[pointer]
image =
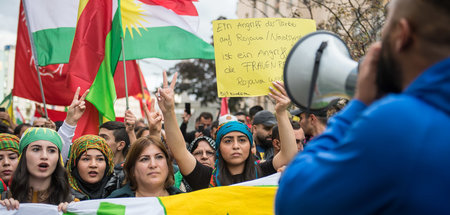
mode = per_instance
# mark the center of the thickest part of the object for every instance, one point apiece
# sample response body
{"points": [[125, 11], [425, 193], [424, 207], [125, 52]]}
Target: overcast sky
{"points": [[208, 10]]}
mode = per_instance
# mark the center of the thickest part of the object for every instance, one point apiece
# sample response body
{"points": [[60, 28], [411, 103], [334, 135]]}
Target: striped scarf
{"points": [[9, 142], [81, 145]]}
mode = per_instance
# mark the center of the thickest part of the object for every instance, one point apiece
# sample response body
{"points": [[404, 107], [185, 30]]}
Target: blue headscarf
{"points": [[233, 126], [222, 131]]}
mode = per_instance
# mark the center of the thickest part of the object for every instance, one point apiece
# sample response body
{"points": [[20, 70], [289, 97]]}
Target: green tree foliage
{"points": [[198, 77]]}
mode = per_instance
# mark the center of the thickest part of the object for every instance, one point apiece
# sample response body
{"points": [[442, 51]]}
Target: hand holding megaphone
{"points": [[366, 89]]}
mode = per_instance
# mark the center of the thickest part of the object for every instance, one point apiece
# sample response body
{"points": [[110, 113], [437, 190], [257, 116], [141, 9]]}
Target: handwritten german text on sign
{"points": [[250, 53]]}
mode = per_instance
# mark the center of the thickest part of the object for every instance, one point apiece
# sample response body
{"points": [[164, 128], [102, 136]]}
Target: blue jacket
{"points": [[392, 157]]}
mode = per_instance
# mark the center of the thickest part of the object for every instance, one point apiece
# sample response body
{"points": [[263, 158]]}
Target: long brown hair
{"points": [[59, 190], [135, 151]]}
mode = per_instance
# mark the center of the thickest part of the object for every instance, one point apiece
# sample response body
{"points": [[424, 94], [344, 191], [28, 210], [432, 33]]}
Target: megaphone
{"points": [[318, 69]]}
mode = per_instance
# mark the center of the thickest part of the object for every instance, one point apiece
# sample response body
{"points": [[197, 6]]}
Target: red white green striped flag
{"points": [[95, 53], [163, 29]]}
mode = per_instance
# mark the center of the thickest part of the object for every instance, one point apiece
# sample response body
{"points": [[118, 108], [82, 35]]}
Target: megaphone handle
{"points": [[315, 73]]}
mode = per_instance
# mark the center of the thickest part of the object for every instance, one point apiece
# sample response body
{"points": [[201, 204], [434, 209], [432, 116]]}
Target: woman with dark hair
{"points": [[148, 170], [18, 131], [9, 156], [40, 176], [234, 140], [91, 167], [142, 132]]}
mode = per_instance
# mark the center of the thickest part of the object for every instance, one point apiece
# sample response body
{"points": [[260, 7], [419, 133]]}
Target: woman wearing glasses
{"points": [[204, 150]]}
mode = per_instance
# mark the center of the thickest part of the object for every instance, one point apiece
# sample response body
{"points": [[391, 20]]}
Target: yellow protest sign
{"points": [[250, 53]]}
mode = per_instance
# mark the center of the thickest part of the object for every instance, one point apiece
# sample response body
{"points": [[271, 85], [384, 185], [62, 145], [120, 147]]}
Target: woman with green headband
{"points": [[9, 154], [40, 176], [90, 168], [234, 162]]}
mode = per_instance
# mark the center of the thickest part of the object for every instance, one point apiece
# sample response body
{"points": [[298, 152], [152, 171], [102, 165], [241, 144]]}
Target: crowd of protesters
{"points": [[40, 163], [358, 158]]}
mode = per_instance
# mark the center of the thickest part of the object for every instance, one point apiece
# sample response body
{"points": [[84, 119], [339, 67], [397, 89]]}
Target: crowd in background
{"points": [[385, 152]]}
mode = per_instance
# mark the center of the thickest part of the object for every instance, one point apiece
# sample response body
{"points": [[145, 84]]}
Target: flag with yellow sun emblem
{"points": [[165, 29]]}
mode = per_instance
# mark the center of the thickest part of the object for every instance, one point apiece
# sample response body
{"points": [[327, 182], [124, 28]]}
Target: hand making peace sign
{"points": [[165, 95], [77, 108]]}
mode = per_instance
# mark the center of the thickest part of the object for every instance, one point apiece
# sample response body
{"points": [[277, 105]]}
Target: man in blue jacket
{"points": [[390, 156]]}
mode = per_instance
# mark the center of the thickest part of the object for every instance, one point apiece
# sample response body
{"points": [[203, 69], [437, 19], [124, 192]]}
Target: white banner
{"points": [[252, 197]]}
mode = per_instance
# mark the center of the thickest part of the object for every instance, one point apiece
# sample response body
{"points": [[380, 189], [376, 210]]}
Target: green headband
{"points": [[34, 134]]}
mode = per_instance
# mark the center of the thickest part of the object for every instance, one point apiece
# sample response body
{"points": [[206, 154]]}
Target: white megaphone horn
{"points": [[318, 69]]}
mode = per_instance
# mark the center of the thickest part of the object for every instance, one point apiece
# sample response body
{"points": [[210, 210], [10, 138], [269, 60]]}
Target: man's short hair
{"points": [[204, 115], [253, 110], [240, 113], [119, 132]]}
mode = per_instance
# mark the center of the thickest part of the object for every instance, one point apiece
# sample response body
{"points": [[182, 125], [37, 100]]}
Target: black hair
{"points": [[59, 190], [251, 171], [240, 113], [140, 131], [119, 132], [19, 127], [204, 115], [255, 109], [295, 125], [58, 124], [275, 133], [4, 128]]}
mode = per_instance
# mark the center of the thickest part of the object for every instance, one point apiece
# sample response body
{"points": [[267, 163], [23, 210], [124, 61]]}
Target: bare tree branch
{"points": [[336, 17], [251, 6], [358, 19]]}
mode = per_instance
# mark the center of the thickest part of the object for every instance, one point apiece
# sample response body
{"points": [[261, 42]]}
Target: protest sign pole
{"points": [[36, 62]]}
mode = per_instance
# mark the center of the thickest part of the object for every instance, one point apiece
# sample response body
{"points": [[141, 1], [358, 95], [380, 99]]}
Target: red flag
{"points": [[54, 115], [144, 96], [89, 122], [224, 107], [26, 84]]}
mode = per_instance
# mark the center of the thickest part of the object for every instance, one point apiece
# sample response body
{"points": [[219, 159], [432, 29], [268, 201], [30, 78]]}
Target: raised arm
{"points": [[185, 160], [287, 137], [154, 119], [74, 113]]}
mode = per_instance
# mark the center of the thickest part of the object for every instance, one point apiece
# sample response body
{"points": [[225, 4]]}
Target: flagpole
{"points": [[125, 75], [36, 62]]}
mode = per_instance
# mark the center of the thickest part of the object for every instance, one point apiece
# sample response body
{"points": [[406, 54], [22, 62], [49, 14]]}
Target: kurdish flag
{"points": [[163, 29], [7, 103], [95, 53]]}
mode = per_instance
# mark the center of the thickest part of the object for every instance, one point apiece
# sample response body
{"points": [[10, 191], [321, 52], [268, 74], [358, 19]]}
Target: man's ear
{"points": [[312, 118], [276, 144], [403, 37], [253, 129], [120, 145]]}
